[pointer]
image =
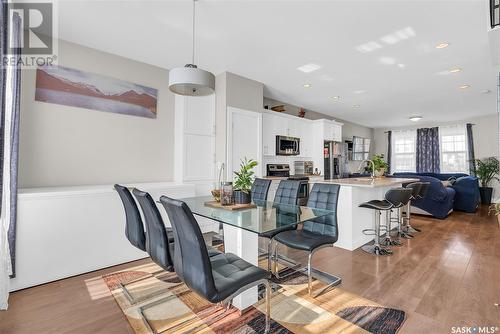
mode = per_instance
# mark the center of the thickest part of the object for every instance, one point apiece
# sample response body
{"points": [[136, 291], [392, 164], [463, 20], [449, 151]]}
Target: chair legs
{"points": [[388, 241], [376, 248], [268, 307], [309, 273], [407, 227], [401, 232], [269, 254]]}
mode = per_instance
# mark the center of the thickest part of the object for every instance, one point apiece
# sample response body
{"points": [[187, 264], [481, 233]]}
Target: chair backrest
{"points": [[260, 189], [424, 189], [287, 192], [134, 229], [324, 196], [191, 260], [157, 244], [415, 189], [398, 197]]}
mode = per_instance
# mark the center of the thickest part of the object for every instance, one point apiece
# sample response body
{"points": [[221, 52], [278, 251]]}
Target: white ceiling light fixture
{"points": [[415, 118], [308, 68], [191, 80], [307, 85], [464, 86], [335, 97], [356, 106], [456, 70], [368, 47]]}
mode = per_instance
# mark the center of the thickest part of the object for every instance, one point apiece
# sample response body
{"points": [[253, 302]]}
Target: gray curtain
{"points": [[428, 150], [470, 147], [389, 150], [12, 144]]}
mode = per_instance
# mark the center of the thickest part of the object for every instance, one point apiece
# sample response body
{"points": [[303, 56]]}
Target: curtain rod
{"points": [[434, 126]]}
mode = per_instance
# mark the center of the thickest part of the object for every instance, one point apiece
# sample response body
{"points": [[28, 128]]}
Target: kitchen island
{"points": [[352, 219]]}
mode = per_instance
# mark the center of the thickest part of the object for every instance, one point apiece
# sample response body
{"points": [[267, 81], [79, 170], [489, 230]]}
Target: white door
{"points": [[244, 138]]}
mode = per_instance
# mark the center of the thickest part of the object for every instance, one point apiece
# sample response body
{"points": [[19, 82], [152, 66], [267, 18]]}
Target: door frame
{"points": [[229, 140]]}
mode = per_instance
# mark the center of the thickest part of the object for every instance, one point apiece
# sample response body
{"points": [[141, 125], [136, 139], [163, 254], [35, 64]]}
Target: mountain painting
{"points": [[70, 87]]}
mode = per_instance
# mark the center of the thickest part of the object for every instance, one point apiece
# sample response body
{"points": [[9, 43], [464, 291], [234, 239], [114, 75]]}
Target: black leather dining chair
{"points": [[134, 228], [287, 193], [217, 279], [135, 233], [316, 233], [159, 248], [260, 189]]}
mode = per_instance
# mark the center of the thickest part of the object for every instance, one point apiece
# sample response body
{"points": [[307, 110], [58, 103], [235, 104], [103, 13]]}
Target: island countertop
{"points": [[366, 181]]}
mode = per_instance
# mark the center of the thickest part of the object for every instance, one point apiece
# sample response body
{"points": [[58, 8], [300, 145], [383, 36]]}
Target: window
{"points": [[403, 156], [360, 148], [453, 147]]}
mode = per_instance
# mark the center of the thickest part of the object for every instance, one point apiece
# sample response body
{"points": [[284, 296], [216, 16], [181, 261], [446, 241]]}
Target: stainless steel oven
{"points": [[287, 145]]}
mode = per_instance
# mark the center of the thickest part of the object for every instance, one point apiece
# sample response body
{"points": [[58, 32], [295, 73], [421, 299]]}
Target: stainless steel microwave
{"points": [[287, 145]]}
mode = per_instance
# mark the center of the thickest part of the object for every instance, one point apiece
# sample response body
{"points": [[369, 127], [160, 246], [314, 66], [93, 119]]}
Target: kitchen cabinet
{"points": [[284, 125], [332, 131]]}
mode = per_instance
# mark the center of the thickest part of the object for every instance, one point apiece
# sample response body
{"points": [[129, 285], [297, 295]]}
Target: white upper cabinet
{"points": [[285, 125], [332, 130]]}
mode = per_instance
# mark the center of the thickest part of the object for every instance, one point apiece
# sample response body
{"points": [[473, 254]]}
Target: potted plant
{"points": [[495, 209], [243, 181], [380, 165], [486, 170]]}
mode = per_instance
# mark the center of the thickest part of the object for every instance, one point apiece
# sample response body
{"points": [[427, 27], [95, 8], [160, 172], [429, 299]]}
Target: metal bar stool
{"points": [[398, 203], [393, 198], [406, 227], [419, 191]]}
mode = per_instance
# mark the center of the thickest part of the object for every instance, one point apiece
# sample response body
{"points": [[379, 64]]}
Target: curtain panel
{"points": [[10, 78], [470, 148], [427, 150], [389, 150]]}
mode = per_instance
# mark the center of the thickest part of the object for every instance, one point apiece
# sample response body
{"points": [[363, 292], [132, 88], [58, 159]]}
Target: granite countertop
{"points": [[367, 182]]}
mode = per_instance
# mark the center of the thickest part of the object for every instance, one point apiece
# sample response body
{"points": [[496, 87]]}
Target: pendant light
{"points": [[191, 80]]}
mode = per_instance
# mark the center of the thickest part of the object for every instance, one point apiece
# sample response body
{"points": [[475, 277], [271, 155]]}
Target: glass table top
{"points": [[266, 217]]}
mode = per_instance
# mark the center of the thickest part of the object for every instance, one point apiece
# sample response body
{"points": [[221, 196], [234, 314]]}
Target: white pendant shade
{"points": [[191, 81]]}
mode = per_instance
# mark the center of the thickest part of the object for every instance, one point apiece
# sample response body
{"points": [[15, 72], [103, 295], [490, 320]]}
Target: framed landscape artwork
{"points": [[75, 88]]}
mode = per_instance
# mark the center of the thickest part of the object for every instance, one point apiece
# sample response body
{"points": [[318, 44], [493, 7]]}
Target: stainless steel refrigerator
{"points": [[332, 157]]}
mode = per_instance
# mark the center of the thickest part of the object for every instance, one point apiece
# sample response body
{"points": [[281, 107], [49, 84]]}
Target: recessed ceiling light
{"points": [[442, 45], [308, 68], [335, 97], [485, 91], [415, 118], [456, 70], [307, 85], [368, 47], [464, 86], [356, 106], [401, 65]]}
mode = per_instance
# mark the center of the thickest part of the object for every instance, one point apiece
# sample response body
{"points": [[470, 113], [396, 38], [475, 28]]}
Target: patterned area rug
{"points": [[160, 303]]}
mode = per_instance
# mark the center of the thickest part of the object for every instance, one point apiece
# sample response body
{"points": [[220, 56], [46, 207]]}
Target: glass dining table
{"points": [[243, 227]]}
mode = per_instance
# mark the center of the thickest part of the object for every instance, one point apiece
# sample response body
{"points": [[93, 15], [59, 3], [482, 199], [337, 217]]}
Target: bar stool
{"points": [[407, 229], [393, 199]]}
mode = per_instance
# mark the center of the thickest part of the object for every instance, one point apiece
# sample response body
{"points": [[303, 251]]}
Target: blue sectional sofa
{"points": [[465, 187]]}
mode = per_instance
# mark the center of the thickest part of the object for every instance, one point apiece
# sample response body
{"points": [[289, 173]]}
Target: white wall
{"points": [[485, 132], [68, 146]]}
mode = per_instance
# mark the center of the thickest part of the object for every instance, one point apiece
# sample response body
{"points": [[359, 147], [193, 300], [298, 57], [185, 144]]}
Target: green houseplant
{"points": [[486, 171], [380, 165], [243, 181], [495, 210]]}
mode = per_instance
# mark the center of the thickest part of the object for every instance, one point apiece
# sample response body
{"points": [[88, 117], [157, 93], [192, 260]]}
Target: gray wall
{"points": [[67, 146]]}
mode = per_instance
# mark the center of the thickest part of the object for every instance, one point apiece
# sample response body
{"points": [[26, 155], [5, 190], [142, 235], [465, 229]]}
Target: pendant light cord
{"points": [[192, 56]]}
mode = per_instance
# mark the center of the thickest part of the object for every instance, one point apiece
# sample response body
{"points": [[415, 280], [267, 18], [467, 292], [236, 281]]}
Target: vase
{"points": [[241, 197], [486, 193], [379, 173]]}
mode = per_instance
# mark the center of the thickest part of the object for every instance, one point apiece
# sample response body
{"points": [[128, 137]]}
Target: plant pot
{"points": [[379, 173], [486, 193], [241, 197]]}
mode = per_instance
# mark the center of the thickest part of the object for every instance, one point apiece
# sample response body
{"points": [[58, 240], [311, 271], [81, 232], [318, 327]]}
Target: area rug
{"points": [[160, 303]]}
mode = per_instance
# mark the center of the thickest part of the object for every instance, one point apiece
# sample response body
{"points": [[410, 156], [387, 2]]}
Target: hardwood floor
{"points": [[448, 275]]}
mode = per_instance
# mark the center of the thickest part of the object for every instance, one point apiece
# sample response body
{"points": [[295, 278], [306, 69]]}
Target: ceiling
{"points": [[379, 55]]}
